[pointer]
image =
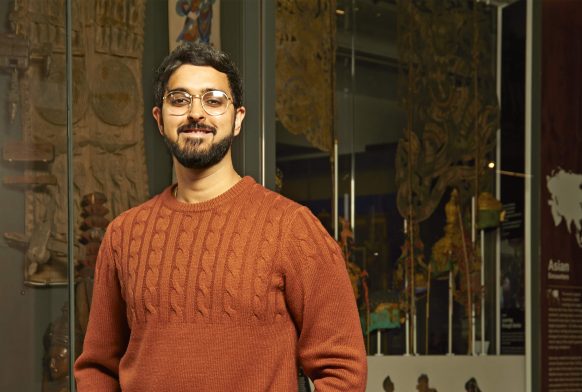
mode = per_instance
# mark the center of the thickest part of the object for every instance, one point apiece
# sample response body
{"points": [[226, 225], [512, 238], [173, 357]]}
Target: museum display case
{"points": [[419, 177], [73, 157], [400, 124]]}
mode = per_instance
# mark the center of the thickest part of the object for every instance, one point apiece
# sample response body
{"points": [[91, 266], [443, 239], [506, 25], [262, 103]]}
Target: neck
{"points": [[198, 185]]}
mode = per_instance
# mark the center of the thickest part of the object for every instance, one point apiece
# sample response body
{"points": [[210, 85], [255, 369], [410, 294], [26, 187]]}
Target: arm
{"points": [[97, 368], [321, 301]]}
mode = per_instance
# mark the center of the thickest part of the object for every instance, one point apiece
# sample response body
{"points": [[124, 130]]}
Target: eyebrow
{"points": [[205, 90]]}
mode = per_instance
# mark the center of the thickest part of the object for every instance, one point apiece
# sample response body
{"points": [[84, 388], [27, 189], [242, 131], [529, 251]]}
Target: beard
{"points": [[189, 154]]}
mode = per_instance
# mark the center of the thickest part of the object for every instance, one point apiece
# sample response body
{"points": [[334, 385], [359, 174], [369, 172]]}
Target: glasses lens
{"points": [[178, 102], [215, 103]]}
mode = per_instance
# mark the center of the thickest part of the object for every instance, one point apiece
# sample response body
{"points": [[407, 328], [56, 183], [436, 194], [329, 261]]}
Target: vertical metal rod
{"points": [[482, 293], [379, 342], [427, 310], [498, 191], [353, 141], [70, 194], [414, 333], [451, 290], [473, 328], [407, 324], [411, 215], [473, 220], [467, 277], [262, 92], [353, 195], [346, 206], [469, 288], [475, 54], [528, 196], [335, 192]]}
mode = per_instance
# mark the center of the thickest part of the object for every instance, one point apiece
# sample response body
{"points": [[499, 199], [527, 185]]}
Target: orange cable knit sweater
{"points": [[231, 294]]}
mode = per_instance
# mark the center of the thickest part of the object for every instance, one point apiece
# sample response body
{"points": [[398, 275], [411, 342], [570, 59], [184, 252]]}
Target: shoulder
{"points": [[136, 213], [304, 225], [271, 199], [295, 217]]}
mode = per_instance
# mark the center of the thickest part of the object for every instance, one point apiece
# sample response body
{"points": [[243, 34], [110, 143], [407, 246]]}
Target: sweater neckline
{"points": [[171, 202]]}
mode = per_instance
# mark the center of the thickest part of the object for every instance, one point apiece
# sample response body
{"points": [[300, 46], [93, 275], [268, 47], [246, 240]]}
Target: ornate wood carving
{"points": [[108, 148], [17, 151], [30, 180], [448, 89], [305, 77]]}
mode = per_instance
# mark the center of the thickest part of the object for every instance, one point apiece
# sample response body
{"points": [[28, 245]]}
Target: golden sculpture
{"points": [[442, 251], [489, 211], [456, 253]]}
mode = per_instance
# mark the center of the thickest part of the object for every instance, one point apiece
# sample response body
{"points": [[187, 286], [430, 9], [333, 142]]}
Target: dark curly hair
{"points": [[201, 55]]}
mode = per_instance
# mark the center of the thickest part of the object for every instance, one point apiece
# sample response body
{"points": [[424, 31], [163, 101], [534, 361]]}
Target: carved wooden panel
{"points": [[305, 64], [108, 147]]}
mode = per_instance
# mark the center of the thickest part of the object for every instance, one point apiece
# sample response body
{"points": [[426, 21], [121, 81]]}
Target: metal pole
{"points": [[451, 290], [529, 375], [407, 323], [482, 293], [70, 194], [352, 149], [379, 342], [498, 191], [262, 92], [335, 191], [469, 288]]}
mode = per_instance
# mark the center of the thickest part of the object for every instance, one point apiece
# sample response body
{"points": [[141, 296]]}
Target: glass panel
{"points": [[512, 182], [369, 122], [452, 110], [106, 152], [423, 117], [34, 224]]}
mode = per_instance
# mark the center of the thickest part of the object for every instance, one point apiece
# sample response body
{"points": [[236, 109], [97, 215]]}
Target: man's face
{"points": [[196, 139]]}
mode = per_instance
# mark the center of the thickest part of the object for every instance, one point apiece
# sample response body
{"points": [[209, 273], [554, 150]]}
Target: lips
{"points": [[197, 128]]}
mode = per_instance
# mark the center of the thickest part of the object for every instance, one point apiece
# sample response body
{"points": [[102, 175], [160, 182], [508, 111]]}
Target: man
{"points": [[217, 284]]}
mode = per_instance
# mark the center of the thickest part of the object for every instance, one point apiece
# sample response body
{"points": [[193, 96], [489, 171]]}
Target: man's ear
{"points": [[157, 113], [239, 116]]}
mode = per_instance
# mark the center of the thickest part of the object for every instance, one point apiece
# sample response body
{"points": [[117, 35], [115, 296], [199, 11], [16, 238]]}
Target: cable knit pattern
{"points": [[154, 260], [116, 238], [208, 262], [267, 248], [230, 294], [133, 266], [233, 267], [180, 267]]}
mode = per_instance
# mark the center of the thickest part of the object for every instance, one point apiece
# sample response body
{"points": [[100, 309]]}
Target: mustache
{"points": [[198, 126]]}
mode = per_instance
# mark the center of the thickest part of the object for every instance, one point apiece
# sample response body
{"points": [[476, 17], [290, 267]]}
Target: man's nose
{"points": [[196, 109]]}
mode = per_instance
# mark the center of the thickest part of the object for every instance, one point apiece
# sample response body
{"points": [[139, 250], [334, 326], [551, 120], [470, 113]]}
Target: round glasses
{"points": [[214, 102]]}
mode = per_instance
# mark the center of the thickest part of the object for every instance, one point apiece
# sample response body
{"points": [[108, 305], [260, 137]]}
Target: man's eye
{"points": [[213, 102], [179, 101]]}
